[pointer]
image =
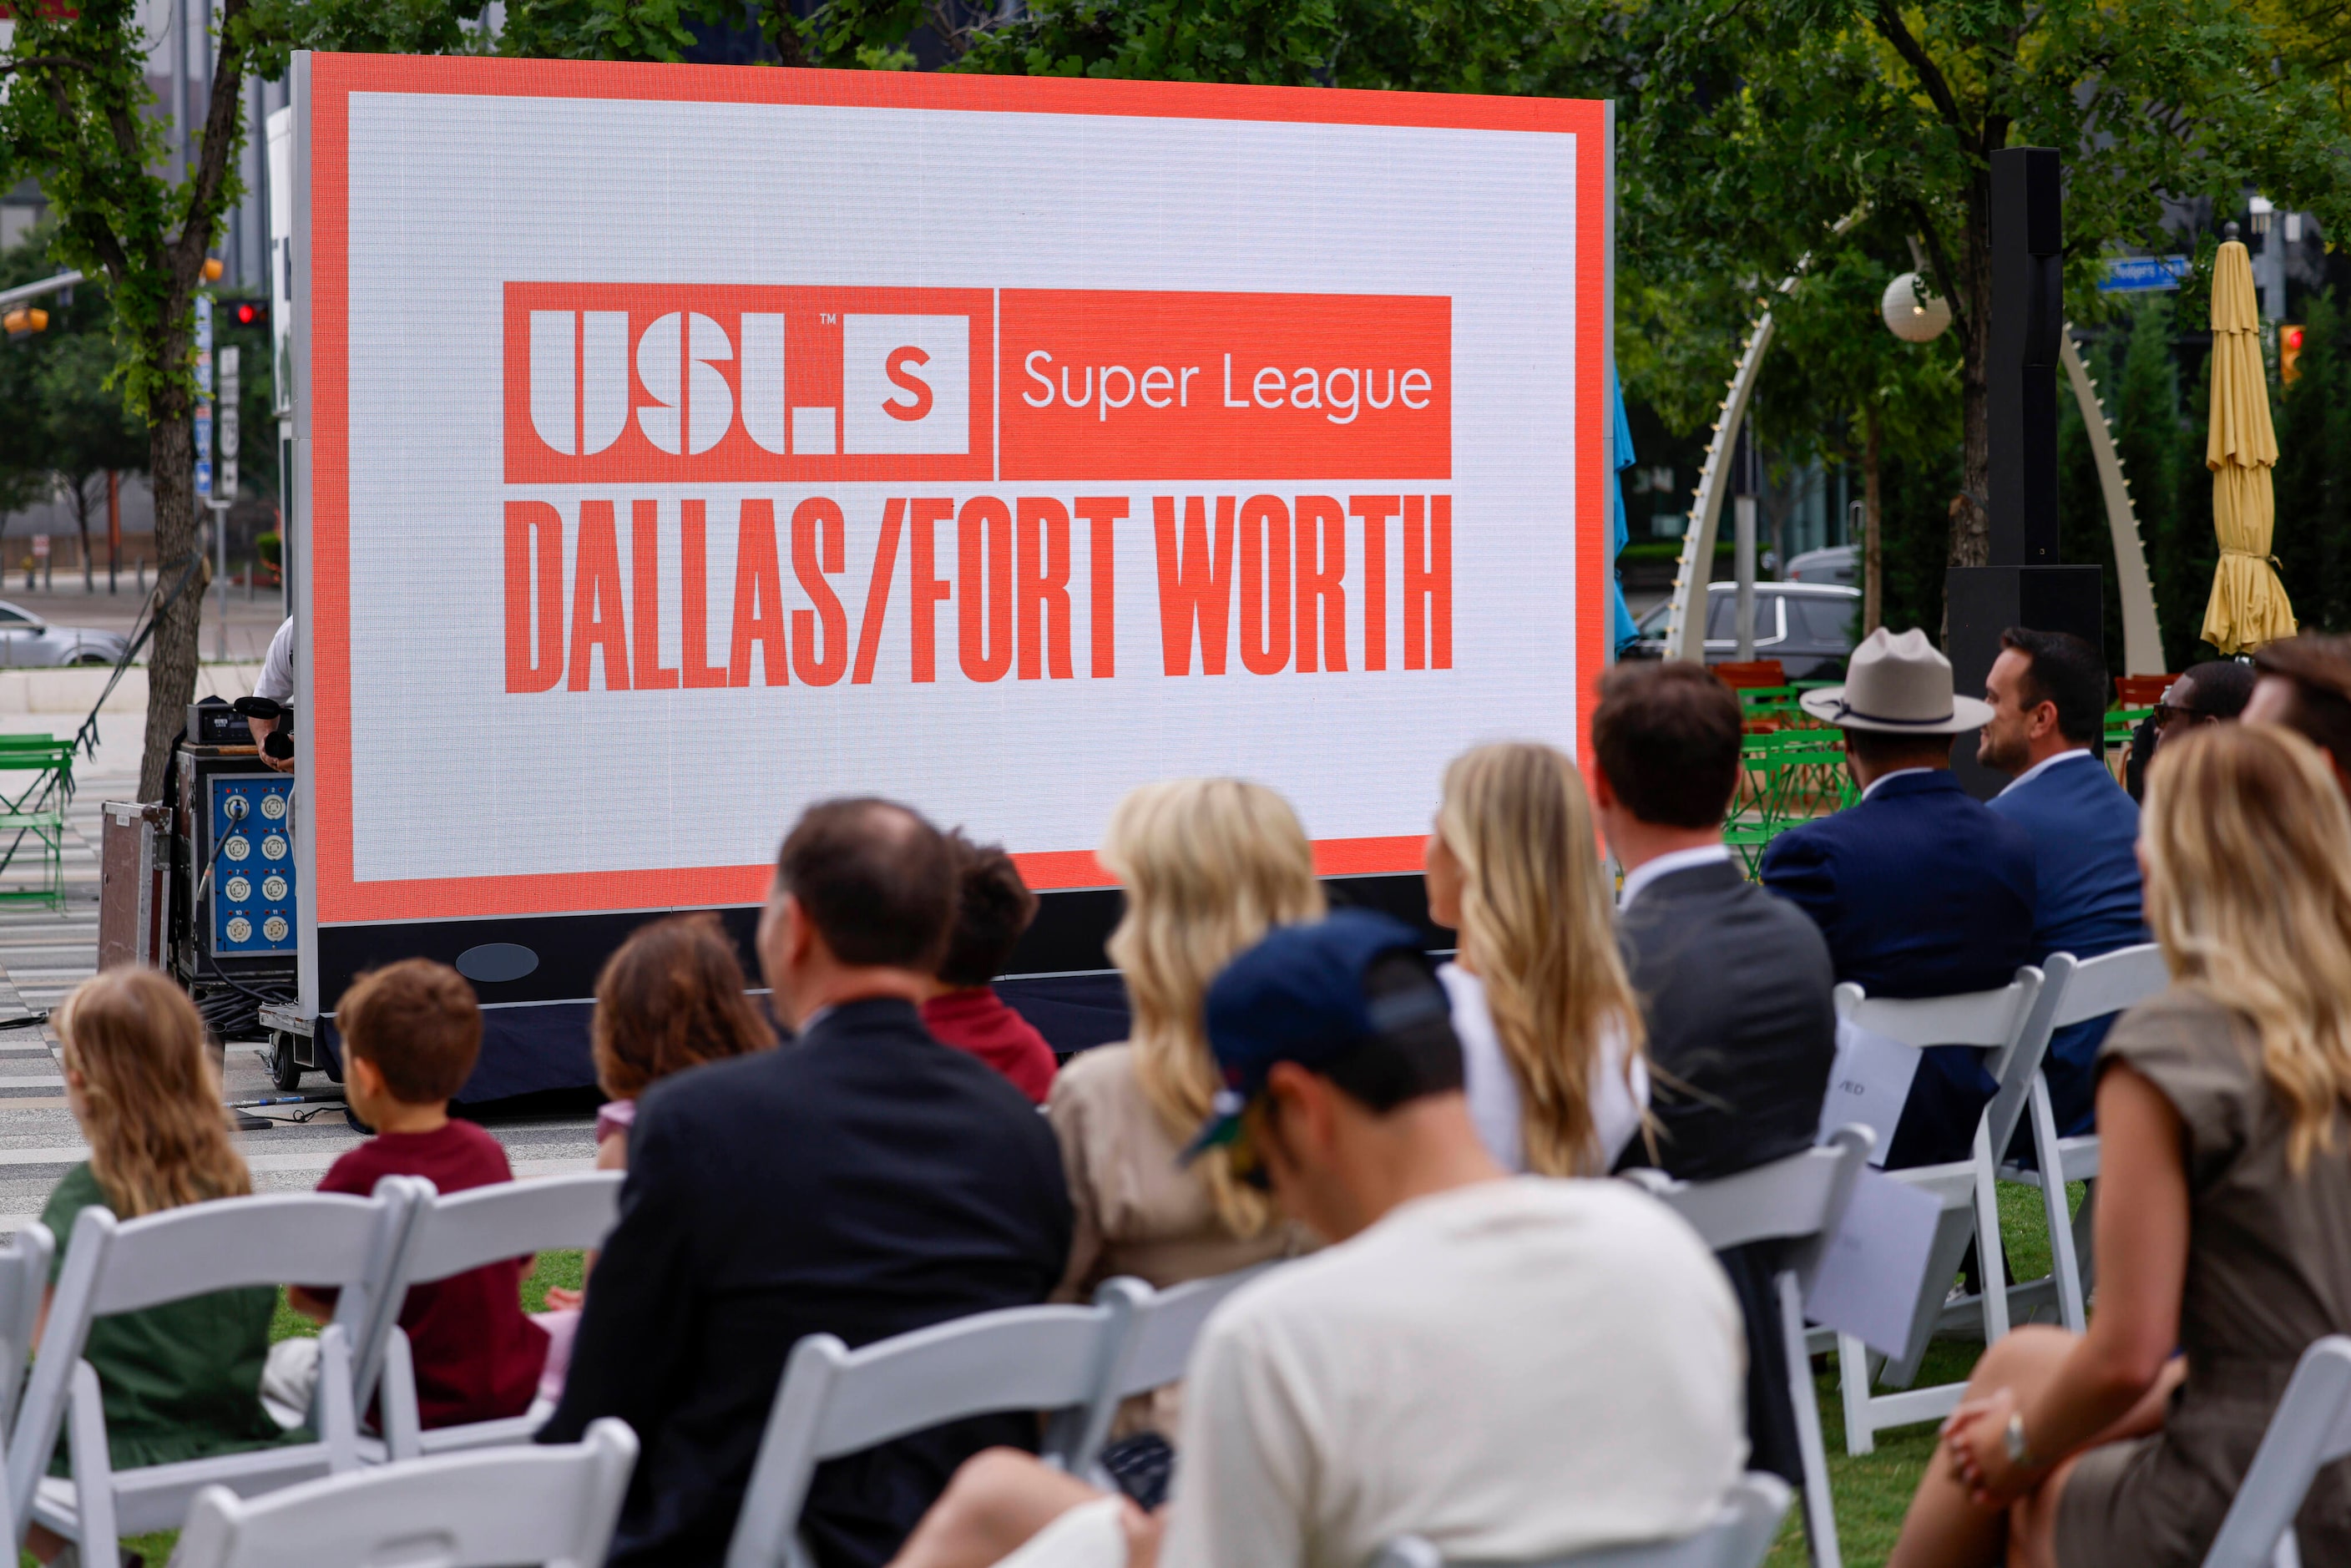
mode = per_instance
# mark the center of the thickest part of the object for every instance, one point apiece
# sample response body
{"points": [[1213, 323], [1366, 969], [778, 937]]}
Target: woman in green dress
{"points": [[181, 1380]]}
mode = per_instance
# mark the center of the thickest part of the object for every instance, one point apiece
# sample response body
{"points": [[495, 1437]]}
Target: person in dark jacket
{"points": [[1919, 890], [1734, 985], [862, 1181], [2047, 733]]}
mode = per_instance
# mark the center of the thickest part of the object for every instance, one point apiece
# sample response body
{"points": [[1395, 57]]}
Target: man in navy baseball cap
{"points": [[1349, 1000]]}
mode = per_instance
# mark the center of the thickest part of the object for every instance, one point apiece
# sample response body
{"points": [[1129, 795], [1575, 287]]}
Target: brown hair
{"points": [[2320, 669], [993, 907], [876, 881], [2248, 846], [416, 1022], [669, 998], [151, 1102], [1666, 735]]}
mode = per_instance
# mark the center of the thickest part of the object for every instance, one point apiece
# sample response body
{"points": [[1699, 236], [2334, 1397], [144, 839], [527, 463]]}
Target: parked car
{"points": [[26, 639], [1838, 564], [1809, 627]]}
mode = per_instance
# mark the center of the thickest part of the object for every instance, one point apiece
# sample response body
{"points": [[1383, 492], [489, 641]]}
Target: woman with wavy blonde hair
{"points": [[181, 1380], [2221, 1111], [1207, 866], [1551, 1033]]}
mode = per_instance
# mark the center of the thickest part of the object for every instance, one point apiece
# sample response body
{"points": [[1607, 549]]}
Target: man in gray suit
{"points": [[1734, 983]]}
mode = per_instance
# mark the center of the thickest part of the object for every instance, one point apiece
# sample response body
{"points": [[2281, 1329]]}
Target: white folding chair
{"points": [[126, 1266], [554, 1505], [834, 1401], [1800, 1200], [1742, 1532], [23, 1279], [463, 1231], [2077, 990], [1997, 1022], [2312, 1428], [1152, 1352]]}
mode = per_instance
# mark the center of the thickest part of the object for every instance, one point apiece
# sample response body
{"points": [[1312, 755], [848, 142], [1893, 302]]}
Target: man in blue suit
{"points": [[2048, 696], [1919, 891]]}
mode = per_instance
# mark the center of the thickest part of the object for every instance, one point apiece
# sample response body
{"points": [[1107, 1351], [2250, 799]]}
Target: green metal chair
{"points": [[34, 808]]}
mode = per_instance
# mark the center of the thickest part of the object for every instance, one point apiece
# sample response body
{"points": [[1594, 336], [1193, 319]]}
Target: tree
{"points": [[74, 116], [1861, 103], [71, 429]]}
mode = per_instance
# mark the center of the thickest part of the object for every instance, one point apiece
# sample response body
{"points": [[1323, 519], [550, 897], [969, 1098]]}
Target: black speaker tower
{"points": [[2025, 585]]}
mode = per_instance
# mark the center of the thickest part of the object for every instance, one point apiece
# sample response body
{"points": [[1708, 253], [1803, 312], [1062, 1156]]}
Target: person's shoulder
{"points": [[724, 1090], [1097, 1074]]}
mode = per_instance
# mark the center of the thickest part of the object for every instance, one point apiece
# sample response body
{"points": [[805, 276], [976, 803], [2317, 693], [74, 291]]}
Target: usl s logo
{"points": [[650, 383]]}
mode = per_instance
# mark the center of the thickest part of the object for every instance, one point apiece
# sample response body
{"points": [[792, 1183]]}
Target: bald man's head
{"points": [[876, 881]]}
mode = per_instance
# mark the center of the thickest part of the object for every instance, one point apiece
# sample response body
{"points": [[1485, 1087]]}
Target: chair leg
{"points": [[2061, 1259], [2085, 1231], [93, 1471], [1820, 1508], [1853, 1381], [1990, 1262]]}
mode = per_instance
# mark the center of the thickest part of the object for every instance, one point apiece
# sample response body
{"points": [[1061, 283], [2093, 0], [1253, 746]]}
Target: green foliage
{"points": [[62, 425], [598, 29], [2313, 479]]}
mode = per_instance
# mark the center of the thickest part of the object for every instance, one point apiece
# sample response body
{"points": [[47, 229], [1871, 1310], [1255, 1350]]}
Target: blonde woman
{"points": [[1207, 865], [2221, 1120], [181, 1380], [1550, 1034]]}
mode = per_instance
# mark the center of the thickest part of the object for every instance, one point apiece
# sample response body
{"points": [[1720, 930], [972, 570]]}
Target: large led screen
{"points": [[686, 444]]}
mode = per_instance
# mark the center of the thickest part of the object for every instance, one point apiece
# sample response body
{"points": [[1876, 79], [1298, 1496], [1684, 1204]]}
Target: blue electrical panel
{"points": [[252, 820]]}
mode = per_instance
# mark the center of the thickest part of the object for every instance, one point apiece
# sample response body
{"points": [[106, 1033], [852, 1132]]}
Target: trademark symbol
{"points": [[829, 318]]}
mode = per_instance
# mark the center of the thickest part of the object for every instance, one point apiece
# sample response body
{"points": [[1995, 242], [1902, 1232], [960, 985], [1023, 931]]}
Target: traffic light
{"points": [[250, 313], [2289, 352], [25, 319]]}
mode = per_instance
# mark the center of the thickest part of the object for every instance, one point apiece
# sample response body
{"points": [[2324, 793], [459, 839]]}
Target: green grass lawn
{"points": [[1872, 1492]]}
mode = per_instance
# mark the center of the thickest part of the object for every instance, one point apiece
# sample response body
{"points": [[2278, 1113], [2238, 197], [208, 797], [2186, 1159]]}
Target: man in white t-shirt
{"points": [[276, 683], [1509, 1368]]}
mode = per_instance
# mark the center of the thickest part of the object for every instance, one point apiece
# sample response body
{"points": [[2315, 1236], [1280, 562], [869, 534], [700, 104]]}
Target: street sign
{"points": [[204, 434], [230, 385], [2143, 274], [40, 546]]}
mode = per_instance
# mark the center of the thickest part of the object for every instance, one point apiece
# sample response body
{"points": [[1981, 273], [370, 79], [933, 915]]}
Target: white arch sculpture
{"points": [[1685, 635]]}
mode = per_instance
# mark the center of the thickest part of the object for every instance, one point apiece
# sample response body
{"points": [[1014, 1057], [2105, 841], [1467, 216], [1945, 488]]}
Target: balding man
{"points": [[2305, 684], [864, 1181]]}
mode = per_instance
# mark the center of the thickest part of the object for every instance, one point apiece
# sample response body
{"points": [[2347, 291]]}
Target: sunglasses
{"points": [[2167, 715], [1244, 1161]]}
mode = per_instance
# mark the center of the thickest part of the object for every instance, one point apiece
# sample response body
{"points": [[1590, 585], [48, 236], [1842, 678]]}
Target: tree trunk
{"points": [[1873, 570], [172, 656]]}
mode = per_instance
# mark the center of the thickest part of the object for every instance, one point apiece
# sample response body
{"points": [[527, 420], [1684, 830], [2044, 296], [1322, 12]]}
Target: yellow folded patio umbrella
{"points": [[2248, 604]]}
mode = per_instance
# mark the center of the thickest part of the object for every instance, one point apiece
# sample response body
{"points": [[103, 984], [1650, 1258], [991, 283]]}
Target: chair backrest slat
{"points": [[1799, 1197], [484, 1225], [310, 1238], [1022, 1358], [1165, 1325], [834, 1401], [2111, 982], [1983, 1019], [554, 1505]]}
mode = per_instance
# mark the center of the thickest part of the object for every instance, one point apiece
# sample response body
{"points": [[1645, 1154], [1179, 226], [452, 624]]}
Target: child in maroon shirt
{"points": [[993, 907], [411, 1032]]}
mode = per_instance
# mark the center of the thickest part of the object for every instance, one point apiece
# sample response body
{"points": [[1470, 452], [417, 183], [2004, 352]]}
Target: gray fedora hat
{"points": [[1897, 686]]}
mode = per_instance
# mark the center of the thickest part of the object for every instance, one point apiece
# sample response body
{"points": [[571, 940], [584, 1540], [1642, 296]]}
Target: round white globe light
{"points": [[1910, 315]]}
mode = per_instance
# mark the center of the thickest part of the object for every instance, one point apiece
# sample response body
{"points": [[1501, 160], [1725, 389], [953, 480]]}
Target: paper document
{"points": [[1868, 1282], [1868, 1083]]}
